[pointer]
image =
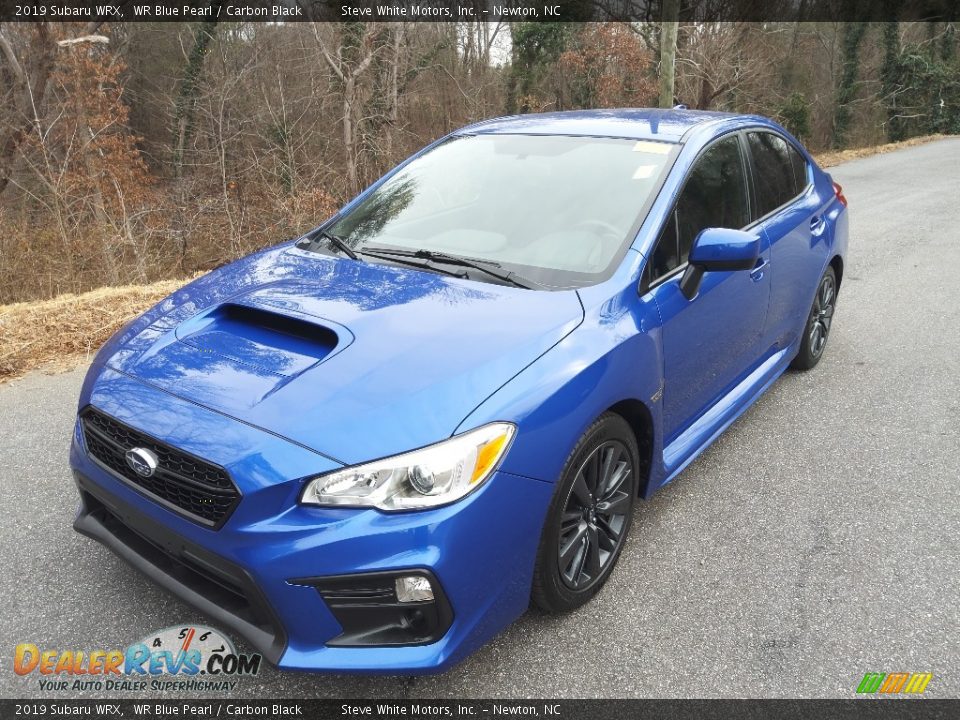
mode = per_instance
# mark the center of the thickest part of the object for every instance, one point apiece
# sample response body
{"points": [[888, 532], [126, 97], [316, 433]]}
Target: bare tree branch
{"points": [[11, 58]]}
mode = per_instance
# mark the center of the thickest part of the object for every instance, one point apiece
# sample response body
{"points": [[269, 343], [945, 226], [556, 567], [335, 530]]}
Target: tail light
{"points": [[838, 191]]}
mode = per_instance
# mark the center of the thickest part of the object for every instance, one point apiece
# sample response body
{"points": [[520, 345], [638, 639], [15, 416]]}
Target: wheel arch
{"points": [[836, 262], [640, 420]]}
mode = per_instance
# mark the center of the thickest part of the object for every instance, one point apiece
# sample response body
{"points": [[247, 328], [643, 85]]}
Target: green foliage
{"points": [[929, 97], [351, 42], [794, 115], [890, 81], [280, 138], [920, 83], [948, 43], [189, 89], [536, 47], [852, 36]]}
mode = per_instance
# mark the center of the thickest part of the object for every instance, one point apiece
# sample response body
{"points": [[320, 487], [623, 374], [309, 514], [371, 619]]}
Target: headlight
{"points": [[431, 476]]}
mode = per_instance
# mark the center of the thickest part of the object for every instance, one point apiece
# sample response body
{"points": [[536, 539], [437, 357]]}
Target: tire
{"points": [[591, 526], [816, 331]]}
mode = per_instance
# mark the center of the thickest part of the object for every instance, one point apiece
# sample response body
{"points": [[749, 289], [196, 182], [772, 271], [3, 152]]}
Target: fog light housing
{"points": [[414, 588], [385, 608]]}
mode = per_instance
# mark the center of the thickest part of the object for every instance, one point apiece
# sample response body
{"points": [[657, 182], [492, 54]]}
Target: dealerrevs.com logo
{"points": [[179, 658]]}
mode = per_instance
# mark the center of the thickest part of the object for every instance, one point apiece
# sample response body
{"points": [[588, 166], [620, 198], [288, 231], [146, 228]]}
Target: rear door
{"points": [[786, 209], [711, 341]]}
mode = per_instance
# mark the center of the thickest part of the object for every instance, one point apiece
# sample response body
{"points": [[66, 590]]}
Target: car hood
{"points": [[352, 360]]}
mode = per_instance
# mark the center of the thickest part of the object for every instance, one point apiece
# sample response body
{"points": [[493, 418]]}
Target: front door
{"points": [[712, 341]]}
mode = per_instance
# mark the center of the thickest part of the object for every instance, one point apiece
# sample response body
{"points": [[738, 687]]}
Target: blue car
{"points": [[371, 448]]}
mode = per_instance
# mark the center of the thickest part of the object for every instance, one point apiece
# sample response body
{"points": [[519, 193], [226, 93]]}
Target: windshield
{"points": [[557, 211]]}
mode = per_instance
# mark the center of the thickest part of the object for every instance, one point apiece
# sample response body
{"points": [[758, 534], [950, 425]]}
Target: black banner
{"points": [[853, 709], [472, 10]]}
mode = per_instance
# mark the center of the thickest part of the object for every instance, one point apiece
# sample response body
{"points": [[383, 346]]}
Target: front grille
{"points": [[216, 586], [197, 489]]}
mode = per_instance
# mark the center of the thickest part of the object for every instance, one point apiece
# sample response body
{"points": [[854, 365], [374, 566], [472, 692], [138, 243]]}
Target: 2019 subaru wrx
{"points": [[369, 448]]}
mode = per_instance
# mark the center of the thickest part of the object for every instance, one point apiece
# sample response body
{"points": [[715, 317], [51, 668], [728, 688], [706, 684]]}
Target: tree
{"points": [[668, 51], [929, 101], [852, 35], [608, 66], [28, 88], [84, 165], [395, 67], [890, 86], [349, 61], [724, 65], [794, 113], [189, 88], [536, 48]]}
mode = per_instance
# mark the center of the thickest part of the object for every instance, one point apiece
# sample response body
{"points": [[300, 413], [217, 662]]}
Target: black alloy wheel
{"points": [[589, 517], [594, 516], [822, 315], [817, 330]]}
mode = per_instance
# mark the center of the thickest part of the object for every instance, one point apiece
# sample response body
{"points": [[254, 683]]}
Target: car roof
{"points": [[633, 123]]}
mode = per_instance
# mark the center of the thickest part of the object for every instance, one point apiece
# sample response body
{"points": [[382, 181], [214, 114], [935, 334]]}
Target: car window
{"points": [[714, 196], [799, 164], [780, 172], [557, 210]]}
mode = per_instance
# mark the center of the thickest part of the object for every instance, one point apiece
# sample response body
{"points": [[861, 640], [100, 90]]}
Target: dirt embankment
{"points": [[60, 333], [835, 157]]}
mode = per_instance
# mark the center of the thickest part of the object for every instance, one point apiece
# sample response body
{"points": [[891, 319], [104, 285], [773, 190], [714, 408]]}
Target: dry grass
{"points": [[835, 157], [61, 333]]}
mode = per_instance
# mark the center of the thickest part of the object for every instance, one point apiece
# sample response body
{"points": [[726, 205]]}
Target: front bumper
{"points": [[480, 550]]}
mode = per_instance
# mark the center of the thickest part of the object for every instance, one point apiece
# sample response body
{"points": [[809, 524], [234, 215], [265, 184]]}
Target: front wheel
{"points": [[817, 329], [589, 516]]}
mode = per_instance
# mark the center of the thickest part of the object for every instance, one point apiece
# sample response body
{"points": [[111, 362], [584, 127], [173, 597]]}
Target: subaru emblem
{"points": [[142, 461]]}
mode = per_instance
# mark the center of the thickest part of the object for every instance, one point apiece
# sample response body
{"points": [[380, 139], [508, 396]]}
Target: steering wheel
{"points": [[439, 196], [603, 226], [602, 230]]}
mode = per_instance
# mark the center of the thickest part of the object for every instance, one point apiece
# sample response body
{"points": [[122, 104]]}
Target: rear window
{"points": [[780, 172]]}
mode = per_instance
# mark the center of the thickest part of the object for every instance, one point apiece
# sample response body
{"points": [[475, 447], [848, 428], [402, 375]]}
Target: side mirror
{"points": [[718, 250]]}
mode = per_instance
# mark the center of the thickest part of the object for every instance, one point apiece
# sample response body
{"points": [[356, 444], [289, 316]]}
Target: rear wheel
{"points": [[817, 329], [589, 516]]}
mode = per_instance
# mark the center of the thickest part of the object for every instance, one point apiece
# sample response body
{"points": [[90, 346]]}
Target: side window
{"points": [[714, 196], [780, 172], [799, 164], [665, 255]]}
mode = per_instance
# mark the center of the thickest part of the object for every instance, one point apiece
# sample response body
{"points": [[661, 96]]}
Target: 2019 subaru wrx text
{"points": [[368, 449]]}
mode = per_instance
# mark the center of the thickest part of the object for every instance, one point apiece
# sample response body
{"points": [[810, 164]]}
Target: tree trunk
{"points": [[355, 55], [889, 80], [393, 101], [189, 89], [349, 136], [30, 92], [852, 35], [668, 51]]}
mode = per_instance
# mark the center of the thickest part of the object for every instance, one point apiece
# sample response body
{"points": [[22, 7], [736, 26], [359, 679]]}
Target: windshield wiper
{"points": [[339, 243], [484, 266], [410, 260]]}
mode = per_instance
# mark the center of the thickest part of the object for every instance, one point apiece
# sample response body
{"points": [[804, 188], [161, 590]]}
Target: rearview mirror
{"points": [[718, 250]]}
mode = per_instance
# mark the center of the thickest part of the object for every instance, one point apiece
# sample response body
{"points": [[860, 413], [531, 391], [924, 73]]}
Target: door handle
{"points": [[757, 272], [817, 224]]}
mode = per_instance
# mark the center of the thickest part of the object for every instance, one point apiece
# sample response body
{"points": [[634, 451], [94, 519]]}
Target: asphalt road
{"points": [[817, 540]]}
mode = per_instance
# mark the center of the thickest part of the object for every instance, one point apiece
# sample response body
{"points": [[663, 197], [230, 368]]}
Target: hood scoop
{"points": [[234, 355], [353, 360], [280, 344]]}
